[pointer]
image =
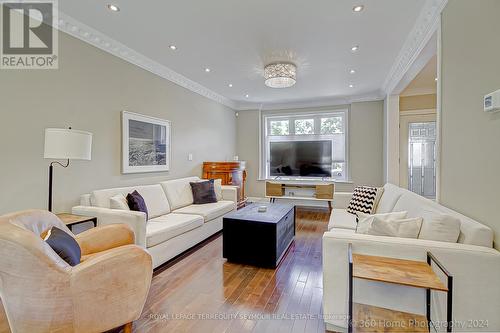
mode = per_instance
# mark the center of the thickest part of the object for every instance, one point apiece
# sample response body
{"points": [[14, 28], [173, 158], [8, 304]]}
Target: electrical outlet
{"points": [[190, 157]]}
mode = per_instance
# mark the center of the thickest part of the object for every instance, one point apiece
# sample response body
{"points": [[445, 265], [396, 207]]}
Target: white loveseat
{"points": [[472, 261], [175, 224]]}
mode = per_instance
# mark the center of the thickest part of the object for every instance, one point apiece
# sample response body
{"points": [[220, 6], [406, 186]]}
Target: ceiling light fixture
{"points": [[230, 85], [280, 75], [173, 47], [113, 8], [355, 48], [351, 86], [352, 71], [436, 79], [207, 70], [358, 8], [247, 95]]}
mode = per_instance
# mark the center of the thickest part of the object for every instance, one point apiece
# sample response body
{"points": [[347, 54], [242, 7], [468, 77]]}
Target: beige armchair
{"points": [[42, 293]]}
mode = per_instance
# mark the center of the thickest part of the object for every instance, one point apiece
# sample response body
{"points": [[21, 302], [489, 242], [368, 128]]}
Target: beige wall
{"points": [[365, 143], [88, 92], [470, 162], [417, 102]]}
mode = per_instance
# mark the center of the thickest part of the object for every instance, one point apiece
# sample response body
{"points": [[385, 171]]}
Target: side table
{"points": [[70, 219], [411, 273]]}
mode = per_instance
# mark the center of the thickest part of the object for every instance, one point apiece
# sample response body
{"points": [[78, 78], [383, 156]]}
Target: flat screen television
{"points": [[301, 159]]}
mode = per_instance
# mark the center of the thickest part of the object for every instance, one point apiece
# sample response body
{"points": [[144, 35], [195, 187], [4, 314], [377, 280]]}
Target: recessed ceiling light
{"points": [[230, 85], [358, 8], [355, 48], [435, 79], [351, 86], [113, 8], [207, 70], [247, 95], [173, 47], [352, 71]]}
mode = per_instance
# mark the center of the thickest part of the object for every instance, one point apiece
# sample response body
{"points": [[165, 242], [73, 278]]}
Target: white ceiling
{"points": [[235, 39]]}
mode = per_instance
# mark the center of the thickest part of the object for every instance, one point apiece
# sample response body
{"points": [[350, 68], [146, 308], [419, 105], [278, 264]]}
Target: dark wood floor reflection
{"points": [[204, 293]]}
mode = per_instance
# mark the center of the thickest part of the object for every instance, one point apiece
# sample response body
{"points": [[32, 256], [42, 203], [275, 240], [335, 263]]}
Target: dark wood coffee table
{"points": [[259, 239]]}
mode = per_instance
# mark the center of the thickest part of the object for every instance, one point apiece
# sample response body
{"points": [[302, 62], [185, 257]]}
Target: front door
{"points": [[418, 154]]}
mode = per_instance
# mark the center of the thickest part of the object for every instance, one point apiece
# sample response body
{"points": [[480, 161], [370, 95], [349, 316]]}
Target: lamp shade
{"points": [[62, 144]]}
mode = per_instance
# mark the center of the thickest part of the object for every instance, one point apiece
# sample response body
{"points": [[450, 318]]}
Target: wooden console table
{"points": [[320, 191], [417, 274], [231, 173]]}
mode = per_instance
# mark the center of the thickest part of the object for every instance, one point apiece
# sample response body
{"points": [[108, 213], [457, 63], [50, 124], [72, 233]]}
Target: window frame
{"points": [[266, 118]]}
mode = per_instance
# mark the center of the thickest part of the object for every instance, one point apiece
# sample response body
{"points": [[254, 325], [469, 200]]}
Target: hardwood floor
{"points": [[204, 293]]}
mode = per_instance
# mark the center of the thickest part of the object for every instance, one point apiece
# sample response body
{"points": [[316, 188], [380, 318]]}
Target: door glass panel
{"points": [[422, 158]]}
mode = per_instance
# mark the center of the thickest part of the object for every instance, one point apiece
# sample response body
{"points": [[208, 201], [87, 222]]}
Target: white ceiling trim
{"points": [[424, 28], [312, 103], [96, 38]]}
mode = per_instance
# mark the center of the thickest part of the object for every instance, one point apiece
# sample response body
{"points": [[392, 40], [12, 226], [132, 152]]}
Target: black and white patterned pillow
{"points": [[363, 200]]}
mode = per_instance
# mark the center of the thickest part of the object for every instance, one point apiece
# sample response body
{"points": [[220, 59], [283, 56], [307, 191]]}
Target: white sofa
{"points": [[175, 224], [472, 261]]}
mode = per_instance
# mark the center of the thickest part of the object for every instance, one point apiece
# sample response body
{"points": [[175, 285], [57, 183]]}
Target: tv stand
{"points": [[319, 190]]}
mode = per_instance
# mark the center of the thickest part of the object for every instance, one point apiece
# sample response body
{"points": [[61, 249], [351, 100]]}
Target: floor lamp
{"points": [[65, 144]]}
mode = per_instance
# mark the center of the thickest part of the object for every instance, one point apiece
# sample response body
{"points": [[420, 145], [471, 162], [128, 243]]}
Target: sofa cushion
{"points": [[155, 199], [341, 219], [153, 195], [442, 228], [165, 227], [208, 211], [118, 202], [471, 231], [388, 199], [179, 192], [366, 220]]}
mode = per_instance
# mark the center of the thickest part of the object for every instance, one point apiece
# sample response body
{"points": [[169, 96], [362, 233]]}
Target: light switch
{"points": [[190, 157]]}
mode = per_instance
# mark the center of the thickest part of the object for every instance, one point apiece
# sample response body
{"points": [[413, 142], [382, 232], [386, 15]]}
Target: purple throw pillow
{"points": [[203, 192], [136, 202]]}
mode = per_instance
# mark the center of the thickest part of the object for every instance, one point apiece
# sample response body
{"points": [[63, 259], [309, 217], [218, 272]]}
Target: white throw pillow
{"points": [[118, 202], [441, 227], [404, 228], [218, 189], [365, 220]]}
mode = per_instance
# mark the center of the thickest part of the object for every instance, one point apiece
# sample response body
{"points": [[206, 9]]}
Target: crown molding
{"points": [[311, 103], [96, 38], [425, 26]]}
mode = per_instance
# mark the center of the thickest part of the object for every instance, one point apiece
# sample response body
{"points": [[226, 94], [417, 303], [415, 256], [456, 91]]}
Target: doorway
{"points": [[418, 154]]}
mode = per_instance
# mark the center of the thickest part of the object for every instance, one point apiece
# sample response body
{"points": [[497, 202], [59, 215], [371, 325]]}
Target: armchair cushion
{"points": [[64, 245]]}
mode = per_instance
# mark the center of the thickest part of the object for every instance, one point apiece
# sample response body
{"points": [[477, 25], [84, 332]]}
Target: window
{"points": [[279, 127], [305, 145], [304, 126]]}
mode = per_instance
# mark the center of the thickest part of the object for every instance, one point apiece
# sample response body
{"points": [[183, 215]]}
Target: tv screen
{"points": [[301, 159]]}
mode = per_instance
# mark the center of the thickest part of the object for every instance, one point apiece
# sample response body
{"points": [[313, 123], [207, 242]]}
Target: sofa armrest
{"points": [[472, 268], [230, 193], [105, 237], [105, 216], [110, 289]]}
